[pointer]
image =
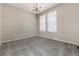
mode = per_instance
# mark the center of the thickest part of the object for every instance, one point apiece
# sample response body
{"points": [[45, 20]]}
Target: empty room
{"points": [[39, 29]]}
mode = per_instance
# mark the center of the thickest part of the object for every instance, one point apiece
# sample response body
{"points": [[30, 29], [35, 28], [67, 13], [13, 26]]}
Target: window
{"points": [[42, 23], [48, 22], [51, 22]]}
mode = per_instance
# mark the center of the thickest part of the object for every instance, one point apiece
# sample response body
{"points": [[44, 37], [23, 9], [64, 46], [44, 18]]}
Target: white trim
{"points": [[17, 39], [60, 40], [40, 36]]}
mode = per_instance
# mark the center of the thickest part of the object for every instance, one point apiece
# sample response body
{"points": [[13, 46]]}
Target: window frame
{"points": [[40, 23], [46, 27], [47, 21]]}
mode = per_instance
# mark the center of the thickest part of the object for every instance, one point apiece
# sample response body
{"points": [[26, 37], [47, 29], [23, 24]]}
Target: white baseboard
{"points": [[40, 36], [61, 40], [18, 39]]}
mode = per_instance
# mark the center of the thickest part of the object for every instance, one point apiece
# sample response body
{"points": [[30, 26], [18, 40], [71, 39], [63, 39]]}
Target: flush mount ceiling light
{"points": [[36, 9]]}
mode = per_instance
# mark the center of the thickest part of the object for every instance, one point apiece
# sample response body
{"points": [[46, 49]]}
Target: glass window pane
{"points": [[42, 23], [52, 21]]}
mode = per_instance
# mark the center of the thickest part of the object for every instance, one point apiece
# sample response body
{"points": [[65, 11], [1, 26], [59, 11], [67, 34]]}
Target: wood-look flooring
{"points": [[38, 46]]}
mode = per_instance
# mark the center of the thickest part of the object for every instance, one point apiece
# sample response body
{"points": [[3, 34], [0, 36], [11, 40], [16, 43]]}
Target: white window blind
{"points": [[52, 22], [42, 23]]}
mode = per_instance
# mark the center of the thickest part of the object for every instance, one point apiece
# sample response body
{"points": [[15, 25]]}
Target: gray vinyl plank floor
{"points": [[38, 46]]}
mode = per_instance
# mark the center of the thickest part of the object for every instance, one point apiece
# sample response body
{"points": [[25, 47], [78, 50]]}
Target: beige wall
{"points": [[67, 24], [17, 24], [0, 24]]}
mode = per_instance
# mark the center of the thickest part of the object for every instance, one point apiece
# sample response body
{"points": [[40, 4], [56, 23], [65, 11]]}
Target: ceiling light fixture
{"points": [[36, 9]]}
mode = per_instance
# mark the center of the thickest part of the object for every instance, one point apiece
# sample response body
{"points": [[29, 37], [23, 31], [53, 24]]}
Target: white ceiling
{"points": [[28, 6]]}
